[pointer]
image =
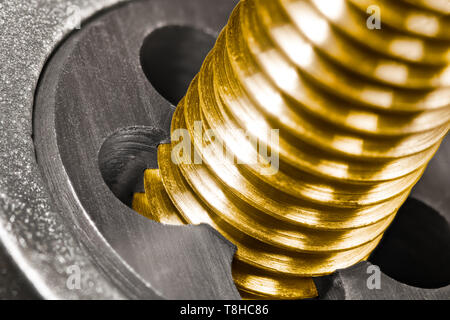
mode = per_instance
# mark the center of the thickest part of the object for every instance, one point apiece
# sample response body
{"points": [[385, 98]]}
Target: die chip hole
{"points": [[415, 250], [171, 56], [124, 156]]}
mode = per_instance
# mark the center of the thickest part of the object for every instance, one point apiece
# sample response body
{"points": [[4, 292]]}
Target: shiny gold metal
{"points": [[360, 113]]}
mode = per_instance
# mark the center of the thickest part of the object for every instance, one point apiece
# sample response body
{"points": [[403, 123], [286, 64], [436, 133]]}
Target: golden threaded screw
{"points": [[360, 112]]}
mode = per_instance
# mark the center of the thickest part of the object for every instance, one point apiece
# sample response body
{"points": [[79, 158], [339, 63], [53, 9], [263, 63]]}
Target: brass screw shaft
{"points": [[360, 113]]}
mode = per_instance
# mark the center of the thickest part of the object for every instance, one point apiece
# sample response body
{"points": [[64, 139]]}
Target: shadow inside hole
{"points": [[415, 250], [171, 57], [125, 155]]}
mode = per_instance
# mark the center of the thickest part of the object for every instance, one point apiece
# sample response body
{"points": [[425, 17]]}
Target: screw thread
{"points": [[360, 113]]}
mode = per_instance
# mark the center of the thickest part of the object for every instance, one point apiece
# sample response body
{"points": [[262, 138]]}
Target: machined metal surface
{"points": [[93, 88], [61, 213], [45, 238], [35, 236]]}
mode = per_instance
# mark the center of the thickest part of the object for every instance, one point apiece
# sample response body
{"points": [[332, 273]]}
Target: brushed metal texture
{"points": [[34, 235], [44, 238], [94, 86]]}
